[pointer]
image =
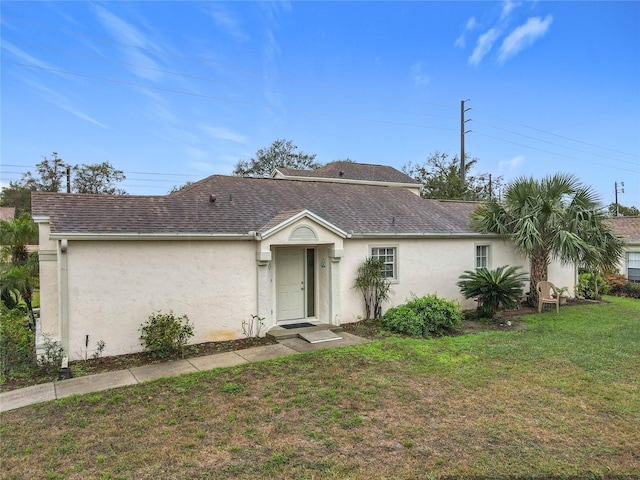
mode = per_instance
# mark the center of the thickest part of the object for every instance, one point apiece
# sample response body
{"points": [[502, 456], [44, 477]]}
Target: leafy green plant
{"points": [[50, 361], [17, 342], [423, 316], [165, 335], [502, 286], [591, 286], [100, 346], [373, 285], [248, 326]]}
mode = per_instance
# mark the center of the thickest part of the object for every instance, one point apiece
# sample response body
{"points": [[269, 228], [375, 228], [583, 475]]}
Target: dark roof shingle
{"points": [[353, 171], [250, 204], [627, 227]]}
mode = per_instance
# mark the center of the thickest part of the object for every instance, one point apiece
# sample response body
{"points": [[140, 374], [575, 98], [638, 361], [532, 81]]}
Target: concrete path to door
{"points": [[104, 381]]}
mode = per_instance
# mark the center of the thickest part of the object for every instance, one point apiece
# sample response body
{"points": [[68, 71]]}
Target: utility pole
{"points": [[462, 132], [621, 191], [68, 179]]}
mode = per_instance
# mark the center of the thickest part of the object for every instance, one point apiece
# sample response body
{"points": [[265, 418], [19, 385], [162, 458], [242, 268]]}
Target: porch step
{"points": [[279, 333], [320, 336]]}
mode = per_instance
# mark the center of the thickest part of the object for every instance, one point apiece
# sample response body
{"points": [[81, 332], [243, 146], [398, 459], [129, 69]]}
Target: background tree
{"points": [[623, 211], [18, 267], [50, 176], [553, 218], [18, 196], [97, 178], [281, 153], [440, 178]]}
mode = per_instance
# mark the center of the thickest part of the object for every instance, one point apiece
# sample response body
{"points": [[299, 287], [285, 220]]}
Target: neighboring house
{"points": [[226, 248], [629, 229], [7, 213]]}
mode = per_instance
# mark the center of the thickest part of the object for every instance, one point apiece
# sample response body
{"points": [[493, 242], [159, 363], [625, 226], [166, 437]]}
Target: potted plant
{"points": [[563, 294]]}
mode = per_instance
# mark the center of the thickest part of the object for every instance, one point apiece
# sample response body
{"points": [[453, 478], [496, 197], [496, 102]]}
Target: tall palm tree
{"points": [[556, 218]]}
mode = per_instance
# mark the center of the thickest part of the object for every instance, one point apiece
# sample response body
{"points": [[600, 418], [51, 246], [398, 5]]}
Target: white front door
{"points": [[290, 284]]}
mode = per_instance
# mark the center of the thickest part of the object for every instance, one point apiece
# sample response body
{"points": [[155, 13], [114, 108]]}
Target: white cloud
{"points": [[61, 101], [24, 56], [222, 133], [461, 41], [227, 21], [508, 6], [202, 166], [524, 36], [512, 164], [419, 77], [483, 46], [129, 35]]}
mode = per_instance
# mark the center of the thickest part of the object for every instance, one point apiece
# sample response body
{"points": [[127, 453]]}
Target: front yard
{"points": [[559, 398]]}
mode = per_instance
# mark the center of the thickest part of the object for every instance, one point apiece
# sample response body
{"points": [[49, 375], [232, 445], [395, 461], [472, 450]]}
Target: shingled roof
{"points": [[345, 171], [236, 205], [627, 227]]}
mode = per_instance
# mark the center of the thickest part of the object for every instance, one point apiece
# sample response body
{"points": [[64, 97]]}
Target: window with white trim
{"points": [[389, 255], [633, 266], [482, 256]]}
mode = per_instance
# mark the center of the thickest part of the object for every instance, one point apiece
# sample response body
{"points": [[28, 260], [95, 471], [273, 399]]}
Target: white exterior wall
{"points": [[113, 287], [49, 286], [427, 266]]}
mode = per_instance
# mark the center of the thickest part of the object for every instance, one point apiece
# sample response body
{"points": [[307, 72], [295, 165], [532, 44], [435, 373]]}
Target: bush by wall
{"points": [[621, 287], [165, 335], [591, 286], [423, 316], [17, 345]]}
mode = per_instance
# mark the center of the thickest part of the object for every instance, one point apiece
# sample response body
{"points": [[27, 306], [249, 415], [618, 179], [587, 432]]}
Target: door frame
{"points": [[306, 251]]}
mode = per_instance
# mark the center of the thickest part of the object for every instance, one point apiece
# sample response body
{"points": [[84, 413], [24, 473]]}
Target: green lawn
{"points": [[558, 399]]}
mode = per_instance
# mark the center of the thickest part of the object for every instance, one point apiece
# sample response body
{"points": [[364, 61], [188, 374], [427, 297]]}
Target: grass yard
{"points": [[559, 399]]}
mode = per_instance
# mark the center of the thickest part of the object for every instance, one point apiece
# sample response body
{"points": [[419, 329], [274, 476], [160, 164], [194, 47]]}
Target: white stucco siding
{"points": [[428, 266], [115, 286]]}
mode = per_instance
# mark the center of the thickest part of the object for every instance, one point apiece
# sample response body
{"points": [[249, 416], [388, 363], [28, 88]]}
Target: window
{"points": [[633, 267], [482, 256], [388, 256]]}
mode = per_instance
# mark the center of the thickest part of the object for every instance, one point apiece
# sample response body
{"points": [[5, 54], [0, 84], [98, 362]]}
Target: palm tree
{"points": [[18, 267], [556, 218], [15, 235]]}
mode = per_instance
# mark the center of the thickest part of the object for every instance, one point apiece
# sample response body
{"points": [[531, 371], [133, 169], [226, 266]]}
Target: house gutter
{"points": [[152, 236], [422, 235]]}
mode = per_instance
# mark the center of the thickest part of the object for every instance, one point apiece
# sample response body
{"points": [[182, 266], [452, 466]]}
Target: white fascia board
{"points": [[152, 236], [305, 214], [41, 218], [424, 235]]}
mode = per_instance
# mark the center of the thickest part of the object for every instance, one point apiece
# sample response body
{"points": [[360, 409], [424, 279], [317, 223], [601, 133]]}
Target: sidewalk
{"points": [[105, 381]]}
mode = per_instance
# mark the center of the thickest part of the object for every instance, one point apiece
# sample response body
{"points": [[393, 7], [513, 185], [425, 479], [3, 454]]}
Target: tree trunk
{"points": [[539, 263]]}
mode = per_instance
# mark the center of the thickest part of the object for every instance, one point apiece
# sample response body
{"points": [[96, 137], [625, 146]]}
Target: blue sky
{"points": [[186, 89]]}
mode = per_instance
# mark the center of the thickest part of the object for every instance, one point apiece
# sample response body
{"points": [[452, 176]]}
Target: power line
{"points": [[220, 65], [211, 97], [221, 82], [554, 153], [556, 144], [560, 136]]}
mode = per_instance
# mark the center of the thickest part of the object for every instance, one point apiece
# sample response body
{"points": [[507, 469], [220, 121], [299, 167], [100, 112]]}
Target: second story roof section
{"points": [[351, 172]]}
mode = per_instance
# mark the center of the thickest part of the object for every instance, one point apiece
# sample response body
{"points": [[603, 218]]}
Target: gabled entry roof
{"points": [[237, 205]]}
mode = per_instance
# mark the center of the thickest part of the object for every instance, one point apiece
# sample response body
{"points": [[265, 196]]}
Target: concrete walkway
{"points": [[105, 381]]}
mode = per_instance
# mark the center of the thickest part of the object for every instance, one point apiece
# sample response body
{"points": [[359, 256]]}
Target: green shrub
{"points": [[166, 335], [621, 287], [50, 362], [17, 345], [423, 316], [631, 290], [591, 286], [502, 286]]}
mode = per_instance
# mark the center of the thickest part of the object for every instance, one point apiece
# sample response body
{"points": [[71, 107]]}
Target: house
{"points": [[225, 248], [7, 213], [629, 229]]}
